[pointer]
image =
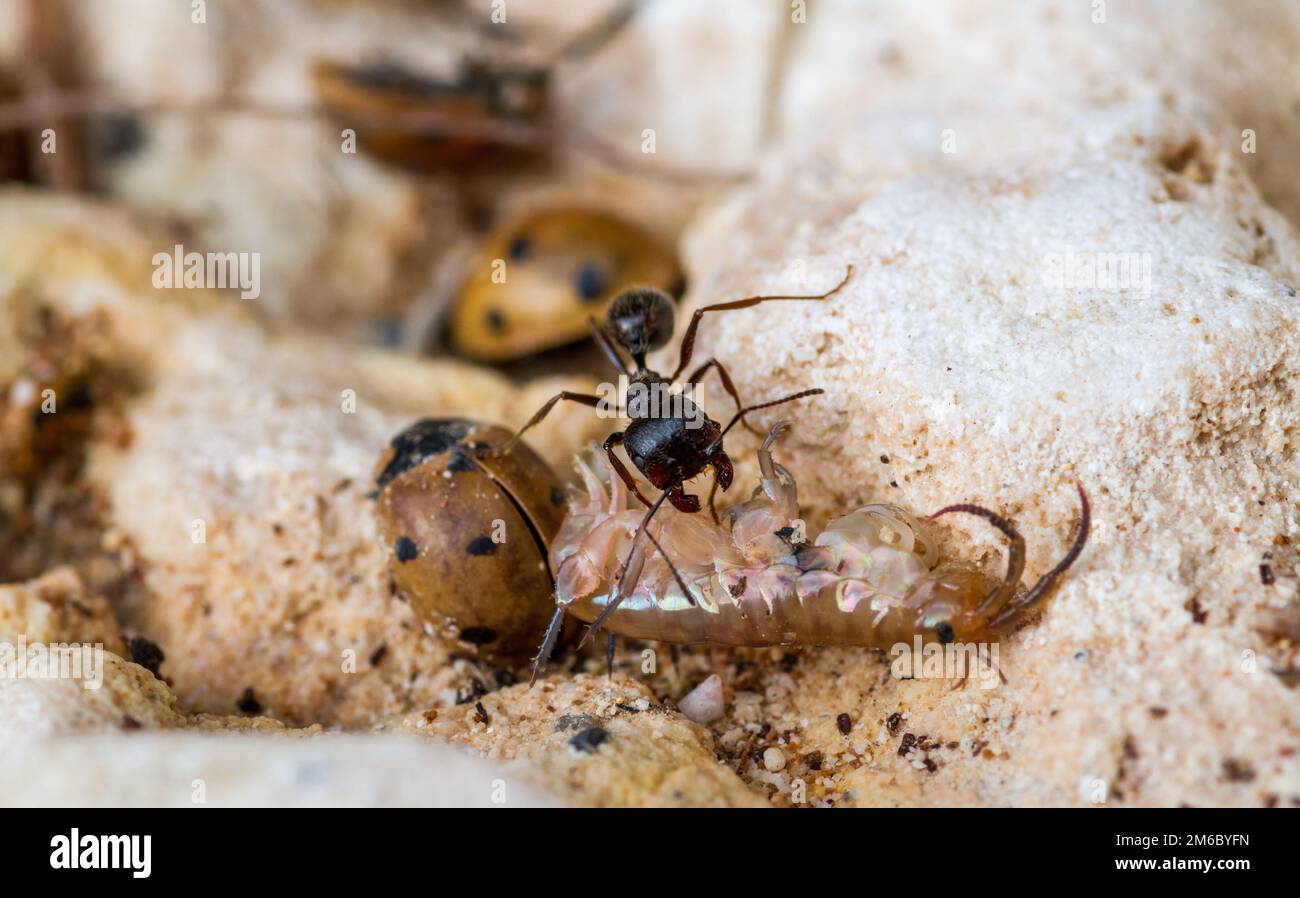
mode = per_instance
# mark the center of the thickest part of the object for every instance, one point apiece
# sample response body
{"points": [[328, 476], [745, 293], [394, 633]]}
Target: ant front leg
{"points": [[682, 501], [723, 472], [583, 398], [615, 439], [688, 341]]}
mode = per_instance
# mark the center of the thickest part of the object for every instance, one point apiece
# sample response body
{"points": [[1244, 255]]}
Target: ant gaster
{"points": [[668, 449]]}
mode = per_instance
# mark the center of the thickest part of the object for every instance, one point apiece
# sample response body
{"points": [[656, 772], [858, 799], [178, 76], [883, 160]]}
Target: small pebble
{"points": [[704, 703], [774, 759]]}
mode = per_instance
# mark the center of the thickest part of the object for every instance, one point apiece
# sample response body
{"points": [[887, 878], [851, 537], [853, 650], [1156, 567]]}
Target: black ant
{"points": [[668, 443]]}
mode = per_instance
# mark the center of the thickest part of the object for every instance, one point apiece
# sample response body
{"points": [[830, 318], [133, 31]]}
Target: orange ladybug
{"points": [[468, 532], [538, 279]]}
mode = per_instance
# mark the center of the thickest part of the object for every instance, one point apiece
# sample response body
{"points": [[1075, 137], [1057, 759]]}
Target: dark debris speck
{"points": [[470, 693], [845, 724], [568, 722], [588, 740], [146, 653], [248, 703], [478, 635], [1235, 771]]}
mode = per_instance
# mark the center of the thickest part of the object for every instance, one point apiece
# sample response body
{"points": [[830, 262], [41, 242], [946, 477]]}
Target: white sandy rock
{"points": [[956, 355], [58, 608], [704, 703], [191, 769], [598, 742], [1013, 74]]}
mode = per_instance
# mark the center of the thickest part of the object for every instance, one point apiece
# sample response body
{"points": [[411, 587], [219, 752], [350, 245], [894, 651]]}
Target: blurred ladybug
{"points": [[422, 122], [488, 108], [538, 279], [422, 125], [468, 532]]}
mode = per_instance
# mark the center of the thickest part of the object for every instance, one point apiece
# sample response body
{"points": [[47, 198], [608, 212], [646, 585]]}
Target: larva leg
{"points": [[688, 340], [609, 657], [1016, 611], [548, 644]]}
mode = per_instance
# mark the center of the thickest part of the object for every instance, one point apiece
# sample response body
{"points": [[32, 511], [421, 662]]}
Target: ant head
{"points": [[640, 320]]}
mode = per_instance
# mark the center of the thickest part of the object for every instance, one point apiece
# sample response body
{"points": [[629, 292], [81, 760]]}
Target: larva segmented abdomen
{"points": [[867, 580]]}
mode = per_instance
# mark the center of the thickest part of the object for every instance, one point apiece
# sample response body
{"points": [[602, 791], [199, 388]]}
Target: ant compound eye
{"points": [[945, 633], [641, 320]]}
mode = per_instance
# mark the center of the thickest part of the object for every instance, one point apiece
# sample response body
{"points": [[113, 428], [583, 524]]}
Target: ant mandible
{"points": [[669, 449]]}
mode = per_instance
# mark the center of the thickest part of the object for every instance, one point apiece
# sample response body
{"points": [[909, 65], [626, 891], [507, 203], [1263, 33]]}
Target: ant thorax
{"points": [[650, 396]]}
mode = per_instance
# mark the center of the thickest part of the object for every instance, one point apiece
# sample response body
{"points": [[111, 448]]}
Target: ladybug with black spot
{"points": [[468, 531]]}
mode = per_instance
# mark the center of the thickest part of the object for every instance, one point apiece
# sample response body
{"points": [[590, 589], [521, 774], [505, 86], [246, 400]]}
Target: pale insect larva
{"points": [[872, 577]]}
